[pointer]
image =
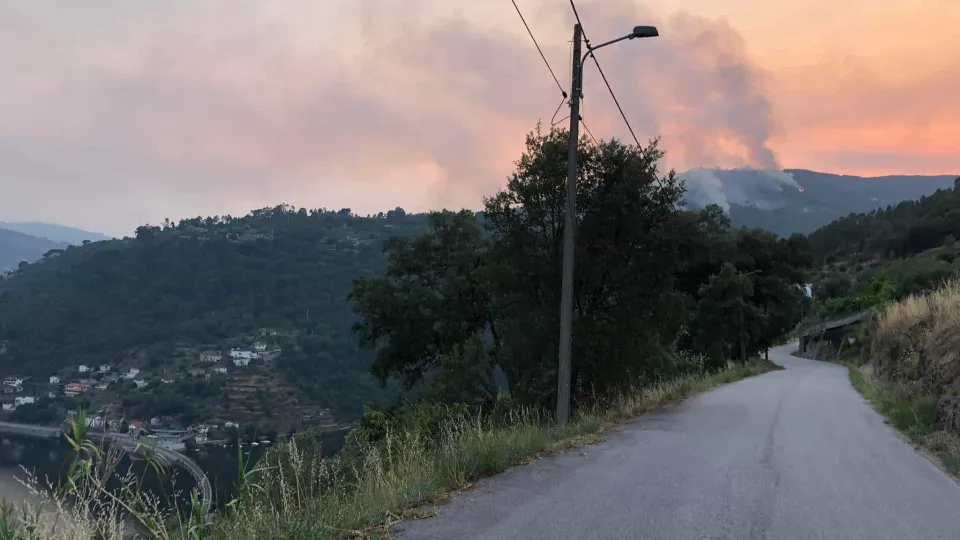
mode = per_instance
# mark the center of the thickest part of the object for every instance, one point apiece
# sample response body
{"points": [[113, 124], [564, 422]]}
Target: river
{"points": [[48, 459]]}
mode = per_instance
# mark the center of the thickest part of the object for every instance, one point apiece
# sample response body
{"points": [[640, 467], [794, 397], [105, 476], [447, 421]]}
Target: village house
{"points": [[54, 379], [105, 368], [73, 389], [52, 395], [259, 346], [228, 425], [222, 370], [140, 383], [83, 368], [101, 386], [211, 357], [13, 382], [241, 362], [9, 407], [132, 373], [268, 332], [242, 354], [135, 427], [24, 400]]}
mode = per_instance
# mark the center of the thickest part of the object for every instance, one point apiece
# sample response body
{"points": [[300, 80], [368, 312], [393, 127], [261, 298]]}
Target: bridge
{"points": [[820, 328], [170, 457]]}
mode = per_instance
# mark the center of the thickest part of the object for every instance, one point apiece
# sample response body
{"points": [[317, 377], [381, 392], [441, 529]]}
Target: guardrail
{"points": [[835, 323]]}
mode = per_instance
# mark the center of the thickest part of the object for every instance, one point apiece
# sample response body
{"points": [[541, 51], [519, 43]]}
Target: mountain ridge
{"points": [[801, 200]]}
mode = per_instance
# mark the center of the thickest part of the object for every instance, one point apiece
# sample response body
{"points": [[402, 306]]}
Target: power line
{"points": [[607, 83], [594, 139], [554, 75], [604, 76]]}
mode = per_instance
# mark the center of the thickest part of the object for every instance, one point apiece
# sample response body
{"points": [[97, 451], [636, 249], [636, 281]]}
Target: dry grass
{"points": [[936, 312], [913, 374]]}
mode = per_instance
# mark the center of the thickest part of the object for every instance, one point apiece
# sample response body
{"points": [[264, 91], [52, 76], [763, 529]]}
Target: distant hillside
{"points": [[158, 300], [16, 247], [774, 201], [875, 257], [54, 232], [907, 229]]}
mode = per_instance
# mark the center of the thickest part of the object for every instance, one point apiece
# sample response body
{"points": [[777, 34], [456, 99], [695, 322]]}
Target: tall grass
{"points": [[934, 312], [295, 493], [913, 370], [96, 498]]}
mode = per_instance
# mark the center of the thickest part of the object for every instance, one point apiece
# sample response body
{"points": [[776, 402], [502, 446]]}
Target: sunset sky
{"points": [[116, 113]]}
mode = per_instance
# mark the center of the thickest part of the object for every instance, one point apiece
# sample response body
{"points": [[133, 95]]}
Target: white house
{"points": [[54, 379], [242, 354], [259, 346], [140, 383], [231, 425], [220, 369], [9, 407], [132, 373], [83, 368], [241, 361], [24, 400], [13, 382], [105, 368]]}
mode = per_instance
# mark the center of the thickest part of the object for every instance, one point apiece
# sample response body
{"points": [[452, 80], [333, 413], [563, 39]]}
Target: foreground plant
{"points": [[97, 499]]}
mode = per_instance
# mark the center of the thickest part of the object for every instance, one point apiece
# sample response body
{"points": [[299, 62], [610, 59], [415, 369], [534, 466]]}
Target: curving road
{"points": [[791, 454]]}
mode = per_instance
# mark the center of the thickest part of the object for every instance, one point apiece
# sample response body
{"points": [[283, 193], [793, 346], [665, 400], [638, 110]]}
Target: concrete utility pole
{"points": [[566, 293]]}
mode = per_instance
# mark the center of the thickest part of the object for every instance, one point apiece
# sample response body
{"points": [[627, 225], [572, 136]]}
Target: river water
{"points": [[49, 459]]}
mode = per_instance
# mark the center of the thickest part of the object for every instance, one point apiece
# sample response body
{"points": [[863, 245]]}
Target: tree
{"points": [[453, 287], [726, 323]]}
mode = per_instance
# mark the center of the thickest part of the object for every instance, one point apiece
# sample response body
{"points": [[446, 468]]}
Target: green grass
{"points": [[916, 416]]}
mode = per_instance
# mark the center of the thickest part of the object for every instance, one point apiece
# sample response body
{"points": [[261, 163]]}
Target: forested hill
{"points": [[871, 259], [207, 283], [906, 229]]}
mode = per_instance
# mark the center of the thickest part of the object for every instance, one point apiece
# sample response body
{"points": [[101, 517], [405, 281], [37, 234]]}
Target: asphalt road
{"points": [[791, 454]]}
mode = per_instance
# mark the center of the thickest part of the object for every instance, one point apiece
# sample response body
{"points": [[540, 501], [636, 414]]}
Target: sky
{"points": [[116, 113]]}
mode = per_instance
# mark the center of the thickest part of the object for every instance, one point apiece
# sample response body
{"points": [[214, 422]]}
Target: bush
{"points": [[425, 421]]}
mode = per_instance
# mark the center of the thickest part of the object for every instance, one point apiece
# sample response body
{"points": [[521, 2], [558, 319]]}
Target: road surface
{"points": [[791, 454]]}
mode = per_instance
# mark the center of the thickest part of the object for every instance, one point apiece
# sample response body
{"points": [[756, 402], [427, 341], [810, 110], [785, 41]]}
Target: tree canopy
{"points": [[650, 279]]}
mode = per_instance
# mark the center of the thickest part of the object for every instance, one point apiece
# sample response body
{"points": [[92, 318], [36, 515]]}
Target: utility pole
{"points": [[566, 293]]}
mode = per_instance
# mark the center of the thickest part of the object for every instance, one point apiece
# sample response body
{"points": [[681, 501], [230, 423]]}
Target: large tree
{"points": [[641, 264]]}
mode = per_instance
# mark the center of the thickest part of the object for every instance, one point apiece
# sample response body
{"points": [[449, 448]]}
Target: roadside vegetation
{"points": [[392, 468], [910, 371]]}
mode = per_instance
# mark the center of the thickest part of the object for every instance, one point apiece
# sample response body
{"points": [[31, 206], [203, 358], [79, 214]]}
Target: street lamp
{"points": [[566, 294]]}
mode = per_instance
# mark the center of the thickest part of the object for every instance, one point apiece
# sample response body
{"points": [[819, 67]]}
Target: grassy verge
{"points": [[916, 416], [395, 481]]}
